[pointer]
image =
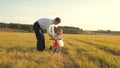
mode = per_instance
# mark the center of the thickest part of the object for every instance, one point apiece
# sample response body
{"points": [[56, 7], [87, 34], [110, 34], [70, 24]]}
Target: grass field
{"points": [[18, 50]]}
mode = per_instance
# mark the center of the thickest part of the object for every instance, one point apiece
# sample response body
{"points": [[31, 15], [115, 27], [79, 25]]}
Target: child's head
{"points": [[59, 31]]}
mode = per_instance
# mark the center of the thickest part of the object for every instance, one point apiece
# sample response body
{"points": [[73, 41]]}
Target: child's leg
{"points": [[60, 48], [56, 49]]}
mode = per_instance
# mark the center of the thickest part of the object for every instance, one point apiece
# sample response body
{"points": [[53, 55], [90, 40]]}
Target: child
{"points": [[58, 41]]}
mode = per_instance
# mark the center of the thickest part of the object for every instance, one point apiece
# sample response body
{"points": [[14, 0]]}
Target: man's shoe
{"points": [[50, 47]]}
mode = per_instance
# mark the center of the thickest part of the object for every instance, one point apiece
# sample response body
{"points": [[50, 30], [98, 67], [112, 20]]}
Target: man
{"points": [[44, 24]]}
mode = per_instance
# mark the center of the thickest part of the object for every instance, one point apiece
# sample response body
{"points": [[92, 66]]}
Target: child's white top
{"points": [[60, 40], [58, 37]]}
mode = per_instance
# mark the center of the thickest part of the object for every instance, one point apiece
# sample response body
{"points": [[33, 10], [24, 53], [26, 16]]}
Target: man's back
{"points": [[45, 22]]}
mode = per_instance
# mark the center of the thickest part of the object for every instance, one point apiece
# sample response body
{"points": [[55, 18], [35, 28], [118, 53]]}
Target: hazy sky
{"points": [[86, 14]]}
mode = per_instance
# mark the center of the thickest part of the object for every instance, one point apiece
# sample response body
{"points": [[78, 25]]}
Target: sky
{"points": [[85, 14]]}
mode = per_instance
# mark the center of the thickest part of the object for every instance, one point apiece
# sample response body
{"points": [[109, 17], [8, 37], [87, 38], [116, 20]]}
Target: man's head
{"points": [[57, 20]]}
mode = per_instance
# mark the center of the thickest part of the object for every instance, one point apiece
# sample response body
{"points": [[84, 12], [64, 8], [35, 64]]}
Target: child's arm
{"points": [[62, 37], [55, 35]]}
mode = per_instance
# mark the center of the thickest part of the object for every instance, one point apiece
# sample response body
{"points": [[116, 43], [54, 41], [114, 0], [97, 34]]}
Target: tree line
{"points": [[29, 28]]}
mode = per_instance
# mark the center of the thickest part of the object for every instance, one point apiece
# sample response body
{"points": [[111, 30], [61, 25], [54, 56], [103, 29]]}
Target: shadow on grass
{"points": [[21, 49]]}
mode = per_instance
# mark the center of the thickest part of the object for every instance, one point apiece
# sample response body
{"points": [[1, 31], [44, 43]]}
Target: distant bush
{"points": [[29, 28]]}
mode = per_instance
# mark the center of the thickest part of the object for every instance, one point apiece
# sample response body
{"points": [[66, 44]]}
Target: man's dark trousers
{"points": [[40, 36]]}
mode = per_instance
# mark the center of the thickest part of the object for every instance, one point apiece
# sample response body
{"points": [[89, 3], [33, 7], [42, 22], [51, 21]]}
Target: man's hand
{"points": [[52, 37]]}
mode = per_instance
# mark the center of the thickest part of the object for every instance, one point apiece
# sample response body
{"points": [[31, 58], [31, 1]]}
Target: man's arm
{"points": [[50, 32]]}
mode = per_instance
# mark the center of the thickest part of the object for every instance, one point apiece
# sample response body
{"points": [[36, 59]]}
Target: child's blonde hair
{"points": [[60, 31]]}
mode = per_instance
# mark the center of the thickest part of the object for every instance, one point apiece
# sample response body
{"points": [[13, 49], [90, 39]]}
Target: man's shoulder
{"points": [[45, 19]]}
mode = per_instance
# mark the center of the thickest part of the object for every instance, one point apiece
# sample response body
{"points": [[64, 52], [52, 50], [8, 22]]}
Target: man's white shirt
{"points": [[47, 24]]}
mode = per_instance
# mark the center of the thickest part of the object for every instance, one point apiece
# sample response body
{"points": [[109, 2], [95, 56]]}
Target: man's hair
{"points": [[58, 19]]}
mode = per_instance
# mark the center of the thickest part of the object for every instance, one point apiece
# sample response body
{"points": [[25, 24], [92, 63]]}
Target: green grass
{"points": [[18, 50]]}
